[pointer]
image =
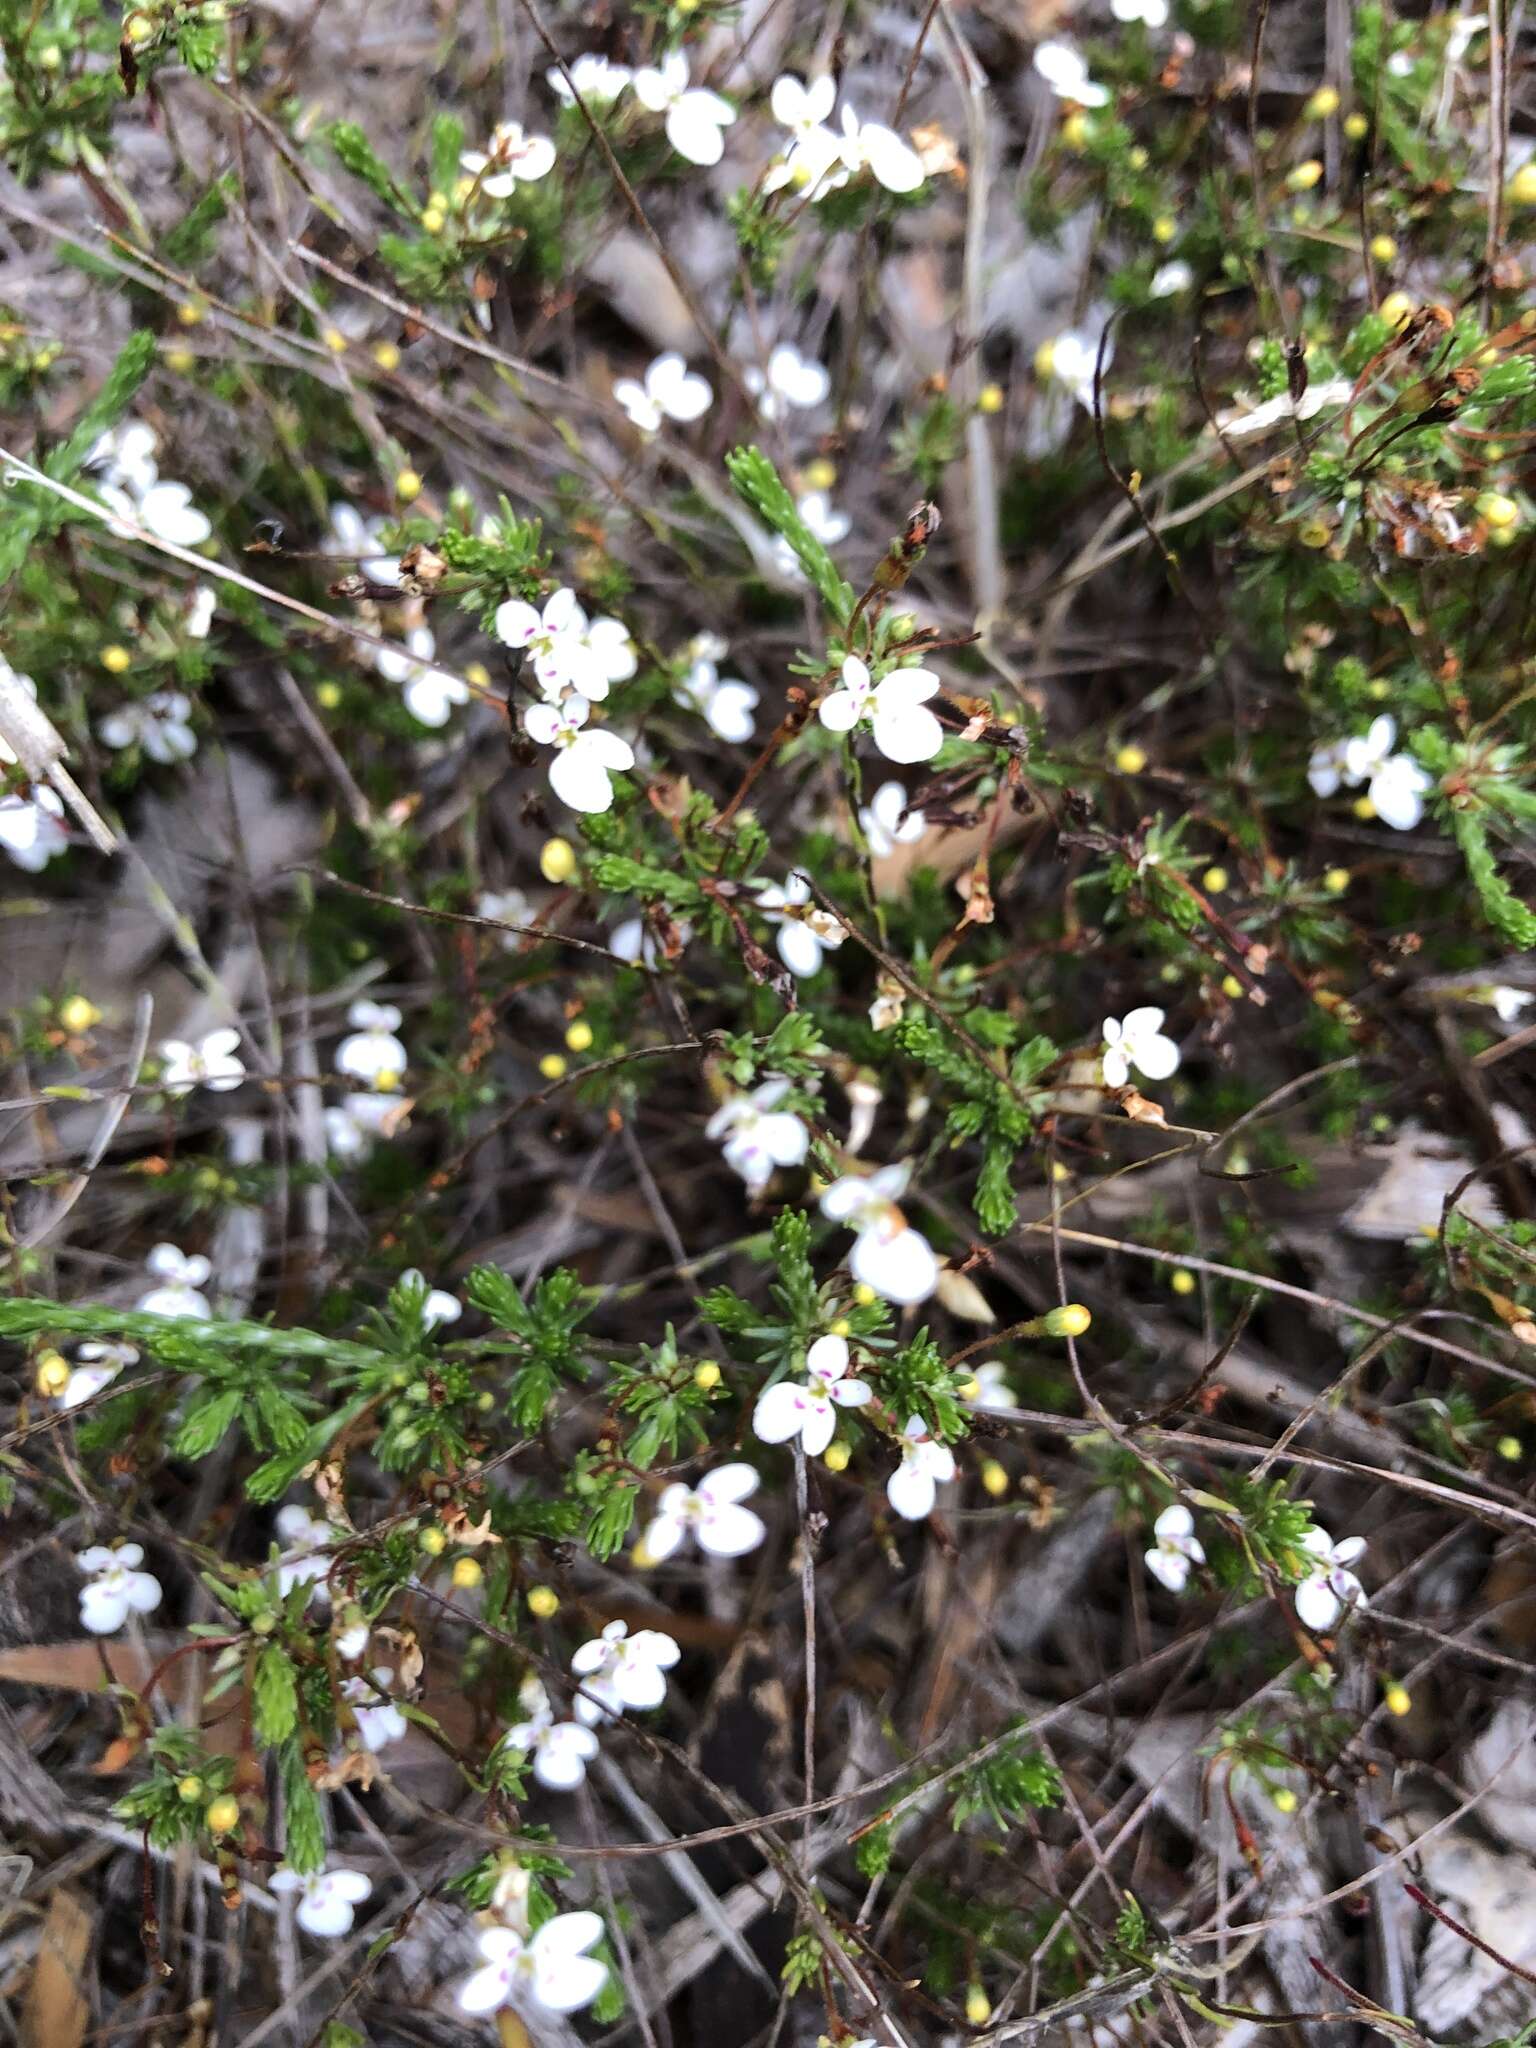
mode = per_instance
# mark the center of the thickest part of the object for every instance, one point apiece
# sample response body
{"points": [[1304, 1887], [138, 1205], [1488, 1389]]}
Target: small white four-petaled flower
{"points": [[925, 1463], [157, 723], [513, 158], [987, 1388], [305, 1558], [725, 702], [711, 1512], [758, 1134], [211, 1063], [1330, 1587], [585, 756], [440, 1306], [895, 709], [888, 1254], [549, 1968], [32, 828], [593, 77], [98, 1366], [695, 117], [379, 1721], [1175, 1549], [328, 1899], [430, 693], [670, 391], [619, 1670], [560, 1750], [887, 822], [807, 1408], [114, 1587], [1065, 70], [806, 932], [790, 379], [179, 1279], [1397, 785], [1137, 1040], [372, 1052]]}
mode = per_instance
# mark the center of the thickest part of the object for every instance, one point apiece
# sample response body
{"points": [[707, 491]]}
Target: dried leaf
{"points": [[57, 2011]]}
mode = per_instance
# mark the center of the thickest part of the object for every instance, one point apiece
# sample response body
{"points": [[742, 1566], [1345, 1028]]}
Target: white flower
{"points": [[584, 758], [1244, 420], [1397, 782], [695, 117], [804, 933], [913, 1486], [353, 535], [378, 1721], [725, 702], [895, 709], [888, 1254], [430, 693], [306, 1545], [758, 1134], [633, 940], [826, 525], [791, 379], [1137, 1040], [212, 1063], [1325, 770], [166, 510], [32, 829], [1330, 1586], [1171, 278], [711, 1512], [115, 1587], [198, 616], [1072, 360], [548, 638], [99, 1366], [1176, 1549], [886, 822], [866, 145], [1065, 71], [180, 1278], [599, 653], [372, 1052], [327, 1898], [987, 1388], [808, 1409], [619, 1670], [1154, 13], [512, 158], [354, 1124], [598, 81], [1509, 1002], [561, 1750], [671, 391], [800, 108], [505, 906], [125, 456], [439, 1306], [158, 723], [550, 1968], [352, 1642]]}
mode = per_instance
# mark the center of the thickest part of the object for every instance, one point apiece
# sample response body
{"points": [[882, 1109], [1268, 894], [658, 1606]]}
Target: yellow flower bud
{"points": [[433, 1541], [1336, 881], [554, 1066], [836, 1456], [223, 1814], [1182, 1281], [334, 340], [994, 1478], [77, 1013], [1363, 809], [841, 1328], [968, 1389], [1383, 249], [477, 673], [328, 696], [189, 1791], [1314, 533], [386, 1080], [433, 220], [1356, 127], [180, 361], [1060, 1171], [641, 1558], [543, 1602], [467, 1573], [1302, 177], [407, 486], [1045, 361], [189, 313], [1396, 309], [1215, 880], [1498, 510], [557, 860], [115, 659], [819, 474], [1074, 131], [1137, 158], [706, 1377], [1070, 1321], [978, 2007], [579, 1036], [1396, 1698], [1131, 760], [1231, 988], [865, 1295], [1522, 186], [1164, 228], [52, 1373], [1284, 1799], [991, 398], [1510, 1448], [386, 355]]}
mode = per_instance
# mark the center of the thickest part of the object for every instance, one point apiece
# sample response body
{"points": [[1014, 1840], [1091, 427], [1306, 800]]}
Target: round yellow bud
{"points": [[1164, 228], [1363, 809], [641, 1558], [836, 1456], [180, 360], [819, 474], [467, 1573], [433, 1541], [706, 1377], [1131, 760], [554, 1066], [994, 1478], [140, 29], [407, 485], [386, 1080], [1356, 127], [968, 1389], [978, 2007], [1302, 177], [1070, 1321], [1284, 1799], [433, 220], [115, 659], [1379, 688], [1045, 361], [557, 860], [77, 1013], [579, 1036], [1396, 309], [1182, 1281], [52, 1373], [386, 355], [991, 398], [189, 1791], [328, 696], [543, 1602], [865, 1295], [1383, 249], [1231, 988], [1314, 533], [1074, 131], [1060, 1171], [223, 1814], [1522, 186], [1324, 101], [1396, 1698], [841, 1328], [190, 314], [1336, 881], [1510, 1448], [1498, 510], [477, 673], [50, 57], [334, 340], [1137, 158], [1215, 880]]}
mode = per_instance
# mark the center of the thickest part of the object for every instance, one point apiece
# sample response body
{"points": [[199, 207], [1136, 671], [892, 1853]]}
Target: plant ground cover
{"points": [[767, 1008]]}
